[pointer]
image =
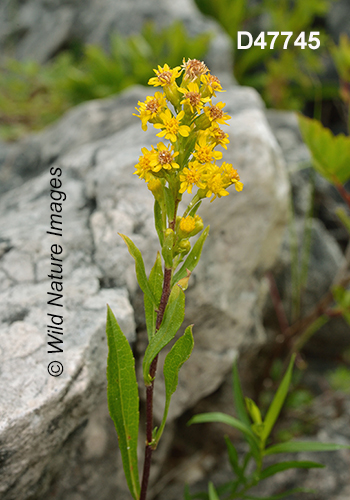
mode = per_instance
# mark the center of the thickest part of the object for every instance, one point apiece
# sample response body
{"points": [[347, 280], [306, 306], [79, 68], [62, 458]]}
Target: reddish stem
{"points": [[149, 389], [344, 194], [277, 303]]}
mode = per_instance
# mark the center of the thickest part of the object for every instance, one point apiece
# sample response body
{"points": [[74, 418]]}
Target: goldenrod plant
{"points": [[188, 122], [249, 469]]}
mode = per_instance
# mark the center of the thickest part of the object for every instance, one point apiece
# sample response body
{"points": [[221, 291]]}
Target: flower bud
{"points": [[172, 94], [155, 186], [184, 246], [202, 122], [198, 225]]}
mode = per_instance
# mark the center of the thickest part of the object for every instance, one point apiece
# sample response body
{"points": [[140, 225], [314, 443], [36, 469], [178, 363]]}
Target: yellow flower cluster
{"points": [[185, 115]]}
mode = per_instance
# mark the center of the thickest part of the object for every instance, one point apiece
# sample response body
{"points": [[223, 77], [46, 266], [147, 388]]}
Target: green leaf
{"points": [[296, 446], [187, 495], [168, 248], [238, 396], [123, 399], [224, 419], [233, 457], [155, 282], [192, 258], [241, 410], [170, 203], [278, 400], [140, 268], [342, 297], [295, 464], [180, 352], [344, 218], [212, 492], [158, 221], [331, 154], [172, 320], [194, 209]]}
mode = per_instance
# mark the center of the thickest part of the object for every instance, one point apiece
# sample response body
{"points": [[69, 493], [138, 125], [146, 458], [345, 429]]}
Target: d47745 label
{"points": [[245, 39]]}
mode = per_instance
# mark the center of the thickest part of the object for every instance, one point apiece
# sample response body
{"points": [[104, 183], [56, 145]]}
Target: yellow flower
{"points": [[204, 152], [193, 69], [230, 176], [211, 84], [190, 176], [144, 167], [216, 114], [171, 126], [187, 224], [216, 136], [216, 186], [150, 108], [193, 98], [165, 76], [163, 157]]}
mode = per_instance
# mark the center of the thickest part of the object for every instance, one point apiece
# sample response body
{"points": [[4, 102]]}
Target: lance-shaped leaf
{"points": [[233, 457], [294, 464], [212, 492], [192, 258], [180, 352], [330, 154], [296, 446], [169, 202], [123, 399], [173, 317], [168, 248], [155, 282], [241, 409], [158, 221], [140, 268], [224, 419], [278, 400], [194, 209]]}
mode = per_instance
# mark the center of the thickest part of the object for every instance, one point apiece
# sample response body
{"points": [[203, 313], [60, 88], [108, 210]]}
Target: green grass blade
{"points": [[238, 397], [224, 419], [212, 492], [296, 446], [233, 457], [123, 399], [294, 464], [278, 400]]}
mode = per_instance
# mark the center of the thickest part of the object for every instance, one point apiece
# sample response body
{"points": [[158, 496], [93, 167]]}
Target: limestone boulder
{"points": [[47, 422]]}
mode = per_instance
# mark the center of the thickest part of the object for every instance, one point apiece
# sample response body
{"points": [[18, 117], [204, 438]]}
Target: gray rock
{"points": [[44, 419]]}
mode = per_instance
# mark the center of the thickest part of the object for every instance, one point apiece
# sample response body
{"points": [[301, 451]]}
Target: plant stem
{"points": [[149, 389], [344, 194]]}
